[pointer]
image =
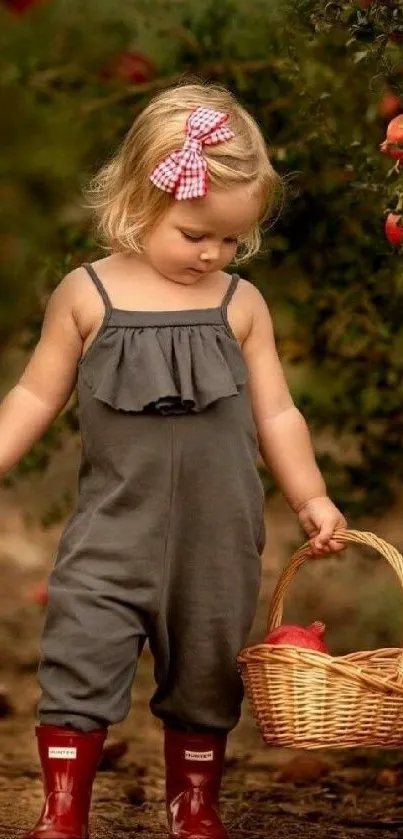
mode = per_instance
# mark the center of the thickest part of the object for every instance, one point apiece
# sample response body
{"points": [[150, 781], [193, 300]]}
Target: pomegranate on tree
{"points": [[390, 105], [394, 229], [393, 145], [132, 67], [20, 6], [293, 635]]}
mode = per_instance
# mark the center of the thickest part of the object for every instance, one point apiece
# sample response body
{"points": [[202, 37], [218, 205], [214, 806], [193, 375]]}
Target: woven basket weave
{"points": [[307, 699]]}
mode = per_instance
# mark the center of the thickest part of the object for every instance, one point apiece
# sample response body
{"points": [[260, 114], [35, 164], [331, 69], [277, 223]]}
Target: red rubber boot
{"points": [[194, 766], [69, 761]]}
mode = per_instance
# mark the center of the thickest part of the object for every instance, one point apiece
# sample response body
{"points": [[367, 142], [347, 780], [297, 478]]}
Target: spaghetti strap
{"points": [[229, 294], [101, 288]]}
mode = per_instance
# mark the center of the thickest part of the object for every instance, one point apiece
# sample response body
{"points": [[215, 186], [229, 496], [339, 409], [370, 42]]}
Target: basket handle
{"points": [[304, 553]]}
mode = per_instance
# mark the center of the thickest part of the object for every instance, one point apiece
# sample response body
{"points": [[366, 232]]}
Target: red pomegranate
{"points": [[390, 105], [395, 37], [292, 635], [394, 229], [133, 67], [20, 6], [393, 145]]}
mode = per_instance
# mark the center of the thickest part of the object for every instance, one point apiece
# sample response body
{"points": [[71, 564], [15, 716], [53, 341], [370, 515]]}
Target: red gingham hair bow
{"points": [[184, 172]]}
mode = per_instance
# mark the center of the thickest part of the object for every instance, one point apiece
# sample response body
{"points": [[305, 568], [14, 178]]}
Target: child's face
{"points": [[200, 236]]}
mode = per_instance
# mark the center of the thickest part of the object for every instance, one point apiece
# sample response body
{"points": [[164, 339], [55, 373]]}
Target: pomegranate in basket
{"points": [[291, 635]]}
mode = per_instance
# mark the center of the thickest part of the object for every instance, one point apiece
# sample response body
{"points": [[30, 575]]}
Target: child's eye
{"points": [[194, 237], [191, 237]]}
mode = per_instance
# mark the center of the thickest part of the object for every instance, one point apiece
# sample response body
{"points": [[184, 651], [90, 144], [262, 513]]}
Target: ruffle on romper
{"points": [[169, 369]]}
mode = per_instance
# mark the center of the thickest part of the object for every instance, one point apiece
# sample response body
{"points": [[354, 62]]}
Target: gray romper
{"points": [[165, 541]]}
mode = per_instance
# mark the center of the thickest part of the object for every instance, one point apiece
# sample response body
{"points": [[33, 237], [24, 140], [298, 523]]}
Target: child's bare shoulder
{"points": [[243, 308], [72, 288], [76, 292], [250, 296], [250, 299], [62, 301]]}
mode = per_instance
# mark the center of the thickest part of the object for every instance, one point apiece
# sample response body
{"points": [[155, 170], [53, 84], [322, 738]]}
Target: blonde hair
{"points": [[126, 202]]}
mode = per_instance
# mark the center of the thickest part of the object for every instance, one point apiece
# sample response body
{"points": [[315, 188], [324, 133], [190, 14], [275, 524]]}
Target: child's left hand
{"points": [[320, 518]]}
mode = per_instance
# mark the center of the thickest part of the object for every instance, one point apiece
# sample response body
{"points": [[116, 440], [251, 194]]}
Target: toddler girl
{"points": [[179, 384]]}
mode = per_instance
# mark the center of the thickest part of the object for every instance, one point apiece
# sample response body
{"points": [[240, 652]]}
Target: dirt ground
{"points": [[270, 793]]}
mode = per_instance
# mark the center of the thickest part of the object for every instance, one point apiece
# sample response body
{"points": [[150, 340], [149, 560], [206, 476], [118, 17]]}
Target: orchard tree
{"points": [[351, 314]]}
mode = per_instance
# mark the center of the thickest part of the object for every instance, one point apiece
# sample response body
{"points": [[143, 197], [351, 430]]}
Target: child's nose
{"points": [[210, 253]]}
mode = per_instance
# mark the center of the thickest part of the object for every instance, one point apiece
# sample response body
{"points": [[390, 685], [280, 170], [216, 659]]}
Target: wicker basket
{"points": [[307, 699]]}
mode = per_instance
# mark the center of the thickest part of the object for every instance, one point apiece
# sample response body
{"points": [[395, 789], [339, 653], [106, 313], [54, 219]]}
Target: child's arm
{"points": [[47, 382], [284, 438]]}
